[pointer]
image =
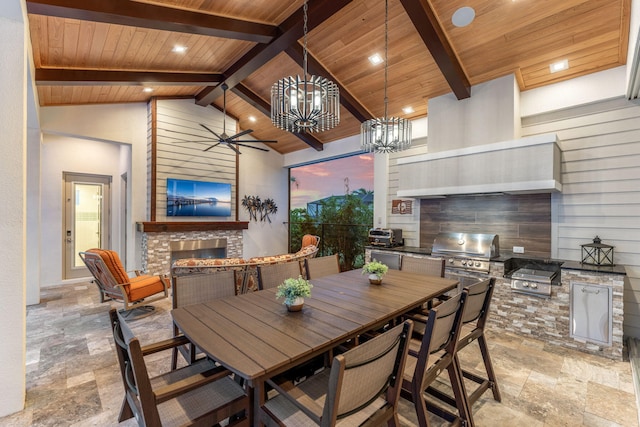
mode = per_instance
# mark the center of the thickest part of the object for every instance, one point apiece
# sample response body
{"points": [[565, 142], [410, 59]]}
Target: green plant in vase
{"points": [[375, 270], [293, 290]]}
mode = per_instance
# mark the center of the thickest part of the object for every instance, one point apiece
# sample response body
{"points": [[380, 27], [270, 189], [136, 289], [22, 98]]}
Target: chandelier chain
{"points": [[304, 40], [386, 55]]}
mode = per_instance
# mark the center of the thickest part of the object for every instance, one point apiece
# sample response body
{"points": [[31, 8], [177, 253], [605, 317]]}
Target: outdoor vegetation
{"points": [[342, 222]]}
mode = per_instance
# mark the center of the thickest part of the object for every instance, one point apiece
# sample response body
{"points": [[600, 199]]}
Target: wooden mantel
{"points": [[158, 227]]}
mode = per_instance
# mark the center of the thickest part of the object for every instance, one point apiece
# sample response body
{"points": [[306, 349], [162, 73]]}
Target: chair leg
{"points": [[493, 383], [459, 392]]}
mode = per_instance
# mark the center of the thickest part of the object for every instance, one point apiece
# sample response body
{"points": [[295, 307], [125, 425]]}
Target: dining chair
{"points": [[114, 283], [197, 394], [321, 266], [474, 320], [426, 266], [198, 288], [437, 352], [361, 388], [271, 275]]}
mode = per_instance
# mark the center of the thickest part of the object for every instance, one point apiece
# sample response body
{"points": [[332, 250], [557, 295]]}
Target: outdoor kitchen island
{"points": [[584, 310]]}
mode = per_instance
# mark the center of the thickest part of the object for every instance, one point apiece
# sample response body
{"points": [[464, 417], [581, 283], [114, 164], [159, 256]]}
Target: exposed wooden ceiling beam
{"points": [[314, 67], [66, 77], [264, 107], [425, 21], [132, 13], [290, 31]]}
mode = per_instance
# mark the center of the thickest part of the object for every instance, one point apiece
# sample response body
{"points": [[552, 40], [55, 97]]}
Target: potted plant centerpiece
{"points": [[375, 270], [293, 291]]}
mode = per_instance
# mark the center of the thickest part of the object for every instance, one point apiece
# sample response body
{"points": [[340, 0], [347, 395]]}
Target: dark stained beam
{"points": [[314, 67], [65, 77], [133, 13], [290, 31], [264, 107], [424, 19]]}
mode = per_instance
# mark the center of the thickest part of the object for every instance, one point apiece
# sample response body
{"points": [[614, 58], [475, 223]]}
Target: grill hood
{"points": [[474, 147], [525, 165]]}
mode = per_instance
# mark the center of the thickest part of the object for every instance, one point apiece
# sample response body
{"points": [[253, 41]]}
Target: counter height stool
{"points": [[437, 352], [473, 325]]}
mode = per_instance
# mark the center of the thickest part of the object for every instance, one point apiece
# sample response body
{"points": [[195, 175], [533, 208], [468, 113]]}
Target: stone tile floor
{"points": [[73, 380]]}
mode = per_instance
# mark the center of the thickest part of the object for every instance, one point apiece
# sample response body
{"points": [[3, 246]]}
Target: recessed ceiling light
{"points": [[147, 89], [252, 119], [179, 49], [376, 59], [559, 66], [408, 110], [463, 16]]}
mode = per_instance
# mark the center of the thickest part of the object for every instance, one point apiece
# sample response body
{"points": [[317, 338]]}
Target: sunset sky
{"points": [[325, 179]]}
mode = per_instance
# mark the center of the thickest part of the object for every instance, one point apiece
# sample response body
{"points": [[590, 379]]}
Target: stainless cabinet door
{"points": [[591, 312]]}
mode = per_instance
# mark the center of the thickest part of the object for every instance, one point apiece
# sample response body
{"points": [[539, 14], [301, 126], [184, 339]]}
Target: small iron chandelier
{"points": [[305, 104], [386, 134]]}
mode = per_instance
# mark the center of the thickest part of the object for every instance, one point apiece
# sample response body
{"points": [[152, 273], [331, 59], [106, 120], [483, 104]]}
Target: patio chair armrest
{"points": [[167, 344], [190, 383]]}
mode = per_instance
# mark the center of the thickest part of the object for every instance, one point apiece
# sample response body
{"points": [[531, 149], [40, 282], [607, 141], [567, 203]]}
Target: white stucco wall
{"points": [[66, 154], [112, 124], [13, 193], [262, 174]]}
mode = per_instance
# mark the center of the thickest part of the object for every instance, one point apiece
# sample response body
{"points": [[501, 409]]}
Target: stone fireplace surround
{"points": [[156, 246]]}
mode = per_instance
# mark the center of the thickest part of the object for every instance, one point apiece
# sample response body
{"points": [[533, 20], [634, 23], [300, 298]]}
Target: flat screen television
{"points": [[198, 198]]}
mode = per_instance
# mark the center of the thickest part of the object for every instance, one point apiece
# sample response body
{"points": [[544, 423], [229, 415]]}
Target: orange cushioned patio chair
{"points": [[115, 284]]}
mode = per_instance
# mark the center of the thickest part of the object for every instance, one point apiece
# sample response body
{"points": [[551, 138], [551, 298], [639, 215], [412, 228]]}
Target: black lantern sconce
{"points": [[597, 253]]}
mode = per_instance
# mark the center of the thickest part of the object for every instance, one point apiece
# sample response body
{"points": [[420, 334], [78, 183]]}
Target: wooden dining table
{"points": [[254, 336]]}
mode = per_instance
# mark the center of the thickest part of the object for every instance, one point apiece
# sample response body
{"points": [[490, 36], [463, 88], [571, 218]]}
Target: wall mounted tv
{"points": [[198, 198]]}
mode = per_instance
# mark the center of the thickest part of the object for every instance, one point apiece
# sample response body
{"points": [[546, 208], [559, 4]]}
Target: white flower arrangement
{"points": [[375, 267], [292, 288]]}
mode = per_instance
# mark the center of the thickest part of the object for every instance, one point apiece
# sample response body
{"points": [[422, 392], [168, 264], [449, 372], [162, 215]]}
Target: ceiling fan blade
{"points": [[217, 136], [268, 141], [233, 148], [251, 146], [244, 132], [214, 145]]}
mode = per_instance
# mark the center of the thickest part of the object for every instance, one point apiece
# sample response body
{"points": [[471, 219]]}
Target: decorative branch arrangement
{"points": [[254, 205]]}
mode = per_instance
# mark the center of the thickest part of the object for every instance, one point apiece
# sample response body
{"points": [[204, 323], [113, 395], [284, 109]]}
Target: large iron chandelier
{"points": [[307, 103], [385, 134]]}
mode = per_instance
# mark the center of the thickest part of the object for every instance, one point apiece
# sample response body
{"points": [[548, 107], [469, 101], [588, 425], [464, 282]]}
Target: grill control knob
{"points": [[525, 284], [534, 286], [450, 260], [463, 262], [477, 264]]}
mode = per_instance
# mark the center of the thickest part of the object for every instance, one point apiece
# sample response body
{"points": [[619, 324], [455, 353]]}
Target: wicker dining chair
{"points": [[198, 288], [361, 388], [321, 266], [271, 275], [197, 394]]}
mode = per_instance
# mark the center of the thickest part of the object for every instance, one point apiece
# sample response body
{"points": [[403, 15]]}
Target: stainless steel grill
{"points": [[468, 251]]}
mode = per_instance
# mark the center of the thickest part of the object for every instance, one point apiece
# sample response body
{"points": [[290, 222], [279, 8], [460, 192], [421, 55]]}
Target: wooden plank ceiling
{"points": [[96, 51]]}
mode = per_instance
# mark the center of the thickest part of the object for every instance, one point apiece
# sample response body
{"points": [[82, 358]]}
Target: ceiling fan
{"points": [[231, 141]]}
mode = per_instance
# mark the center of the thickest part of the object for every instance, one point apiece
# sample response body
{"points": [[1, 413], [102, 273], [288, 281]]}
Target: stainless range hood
{"points": [[524, 165]]}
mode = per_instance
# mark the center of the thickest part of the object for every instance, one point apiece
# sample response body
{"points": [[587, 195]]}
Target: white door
{"points": [[86, 219]]}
